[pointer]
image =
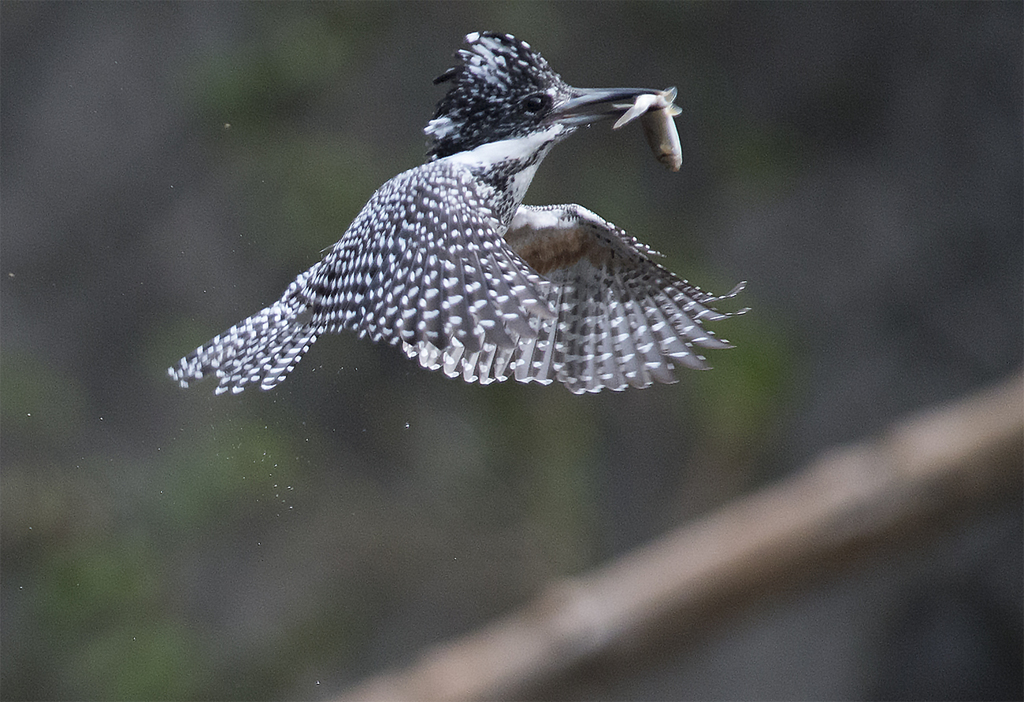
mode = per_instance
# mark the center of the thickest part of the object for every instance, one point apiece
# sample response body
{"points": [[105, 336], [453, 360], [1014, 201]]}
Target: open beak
{"points": [[589, 105]]}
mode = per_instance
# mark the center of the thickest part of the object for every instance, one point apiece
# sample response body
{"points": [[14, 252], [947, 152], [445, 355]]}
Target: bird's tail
{"points": [[261, 349]]}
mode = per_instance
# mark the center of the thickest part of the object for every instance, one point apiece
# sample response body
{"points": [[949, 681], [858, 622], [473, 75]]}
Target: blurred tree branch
{"points": [[926, 469]]}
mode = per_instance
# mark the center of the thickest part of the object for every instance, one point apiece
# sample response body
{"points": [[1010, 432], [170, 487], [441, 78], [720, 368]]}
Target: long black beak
{"points": [[592, 104]]}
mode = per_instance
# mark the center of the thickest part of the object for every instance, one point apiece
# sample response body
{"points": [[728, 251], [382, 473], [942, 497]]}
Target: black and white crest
{"points": [[502, 88]]}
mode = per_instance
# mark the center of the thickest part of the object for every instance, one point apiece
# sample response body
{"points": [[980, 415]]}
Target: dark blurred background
{"points": [[168, 168]]}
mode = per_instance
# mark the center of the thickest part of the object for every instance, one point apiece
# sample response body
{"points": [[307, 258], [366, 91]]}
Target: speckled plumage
{"points": [[446, 262]]}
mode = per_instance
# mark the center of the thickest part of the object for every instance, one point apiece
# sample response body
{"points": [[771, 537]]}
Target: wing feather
{"points": [[557, 295], [622, 318]]}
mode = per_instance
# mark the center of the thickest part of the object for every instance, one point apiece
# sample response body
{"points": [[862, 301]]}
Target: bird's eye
{"points": [[536, 102]]}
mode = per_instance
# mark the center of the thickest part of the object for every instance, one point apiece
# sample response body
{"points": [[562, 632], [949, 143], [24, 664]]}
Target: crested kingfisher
{"points": [[446, 262]]}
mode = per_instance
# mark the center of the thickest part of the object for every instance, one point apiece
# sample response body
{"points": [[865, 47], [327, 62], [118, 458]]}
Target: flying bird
{"points": [[446, 262]]}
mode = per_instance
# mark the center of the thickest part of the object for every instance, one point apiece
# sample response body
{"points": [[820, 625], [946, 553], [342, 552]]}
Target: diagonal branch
{"points": [[924, 469]]}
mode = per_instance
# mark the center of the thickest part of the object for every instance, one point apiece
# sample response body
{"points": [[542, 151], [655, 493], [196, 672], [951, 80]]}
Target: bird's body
{"points": [[447, 262]]}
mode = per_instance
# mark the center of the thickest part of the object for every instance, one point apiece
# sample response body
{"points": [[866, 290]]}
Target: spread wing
{"points": [[423, 266], [621, 319], [563, 295]]}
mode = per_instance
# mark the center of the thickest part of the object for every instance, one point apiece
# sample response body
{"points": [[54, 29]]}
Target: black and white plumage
{"points": [[445, 261]]}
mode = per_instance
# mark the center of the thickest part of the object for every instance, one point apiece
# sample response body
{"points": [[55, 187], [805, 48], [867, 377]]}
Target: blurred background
{"points": [[168, 168]]}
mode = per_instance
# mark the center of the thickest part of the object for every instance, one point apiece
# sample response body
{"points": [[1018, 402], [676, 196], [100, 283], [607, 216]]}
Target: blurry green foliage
{"points": [[364, 494], [41, 406], [288, 60]]}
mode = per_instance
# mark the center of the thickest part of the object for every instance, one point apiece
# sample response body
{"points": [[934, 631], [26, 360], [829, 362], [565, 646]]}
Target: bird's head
{"points": [[504, 89]]}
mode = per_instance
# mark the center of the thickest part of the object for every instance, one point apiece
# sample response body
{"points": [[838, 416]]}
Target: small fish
{"points": [[656, 112]]}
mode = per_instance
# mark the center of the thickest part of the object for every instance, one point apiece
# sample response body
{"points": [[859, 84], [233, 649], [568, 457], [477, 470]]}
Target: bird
{"points": [[446, 262]]}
